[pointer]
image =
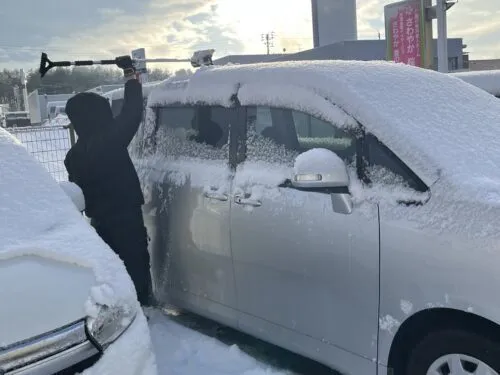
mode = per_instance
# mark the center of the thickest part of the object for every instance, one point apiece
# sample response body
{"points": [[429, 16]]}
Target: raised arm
{"points": [[127, 122]]}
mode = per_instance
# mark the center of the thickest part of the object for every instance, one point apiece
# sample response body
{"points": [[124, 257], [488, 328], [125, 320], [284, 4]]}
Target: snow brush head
{"points": [[45, 64]]}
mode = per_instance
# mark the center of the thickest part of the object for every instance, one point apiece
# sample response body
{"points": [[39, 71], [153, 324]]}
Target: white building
{"points": [[38, 104]]}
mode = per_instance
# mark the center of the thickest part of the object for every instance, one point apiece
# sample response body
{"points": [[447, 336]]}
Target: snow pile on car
{"points": [[39, 219], [29, 194]]}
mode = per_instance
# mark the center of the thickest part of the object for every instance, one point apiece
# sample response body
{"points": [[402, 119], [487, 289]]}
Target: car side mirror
{"points": [[74, 192], [320, 168]]}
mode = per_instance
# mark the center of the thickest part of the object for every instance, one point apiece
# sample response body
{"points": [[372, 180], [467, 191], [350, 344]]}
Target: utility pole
{"points": [[442, 42], [268, 40], [17, 101], [24, 88], [439, 13]]}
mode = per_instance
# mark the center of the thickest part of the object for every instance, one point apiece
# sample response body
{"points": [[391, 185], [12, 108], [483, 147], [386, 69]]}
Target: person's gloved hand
{"points": [[125, 63]]}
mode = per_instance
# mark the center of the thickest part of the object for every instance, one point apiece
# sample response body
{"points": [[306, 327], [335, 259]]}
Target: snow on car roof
{"points": [[39, 219], [436, 123], [488, 80], [118, 93]]}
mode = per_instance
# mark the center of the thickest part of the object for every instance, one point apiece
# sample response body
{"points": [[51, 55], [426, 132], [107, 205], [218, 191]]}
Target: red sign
{"points": [[404, 33]]}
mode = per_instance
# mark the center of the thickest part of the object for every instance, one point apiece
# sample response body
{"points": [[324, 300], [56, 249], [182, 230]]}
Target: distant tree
{"points": [[9, 79], [158, 74], [71, 80]]}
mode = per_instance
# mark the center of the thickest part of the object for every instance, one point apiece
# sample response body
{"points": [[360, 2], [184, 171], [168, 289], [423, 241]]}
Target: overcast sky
{"points": [[175, 28]]}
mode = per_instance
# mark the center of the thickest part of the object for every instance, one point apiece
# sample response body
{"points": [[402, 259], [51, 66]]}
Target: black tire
{"points": [[440, 343]]}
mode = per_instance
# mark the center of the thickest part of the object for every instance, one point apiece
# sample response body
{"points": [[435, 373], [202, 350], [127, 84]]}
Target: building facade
{"points": [[364, 50], [333, 21], [38, 105]]}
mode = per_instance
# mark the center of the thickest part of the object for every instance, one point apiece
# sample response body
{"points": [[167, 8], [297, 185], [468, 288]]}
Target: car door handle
{"points": [[217, 196], [244, 201]]}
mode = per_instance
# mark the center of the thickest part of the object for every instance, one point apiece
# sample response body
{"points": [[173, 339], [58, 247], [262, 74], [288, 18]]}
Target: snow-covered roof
{"points": [[118, 93], [488, 80], [246, 59], [105, 88], [436, 123]]}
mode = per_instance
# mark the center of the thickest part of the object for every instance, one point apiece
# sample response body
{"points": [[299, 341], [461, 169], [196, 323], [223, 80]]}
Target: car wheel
{"points": [[454, 352]]}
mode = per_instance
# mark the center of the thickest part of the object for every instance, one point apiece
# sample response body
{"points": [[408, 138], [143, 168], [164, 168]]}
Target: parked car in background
{"points": [[55, 108], [67, 302], [488, 80], [17, 119]]}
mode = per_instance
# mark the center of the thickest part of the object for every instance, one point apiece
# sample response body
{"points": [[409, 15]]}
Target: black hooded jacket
{"points": [[99, 162]]}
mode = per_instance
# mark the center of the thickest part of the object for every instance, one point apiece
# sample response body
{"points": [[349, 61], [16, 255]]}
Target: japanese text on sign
{"points": [[404, 27]]}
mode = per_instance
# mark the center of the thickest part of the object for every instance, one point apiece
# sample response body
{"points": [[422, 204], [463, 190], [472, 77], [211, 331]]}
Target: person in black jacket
{"points": [[99, 163]]}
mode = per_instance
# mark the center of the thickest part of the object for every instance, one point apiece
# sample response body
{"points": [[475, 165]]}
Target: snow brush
{"points": [[199, 58]]}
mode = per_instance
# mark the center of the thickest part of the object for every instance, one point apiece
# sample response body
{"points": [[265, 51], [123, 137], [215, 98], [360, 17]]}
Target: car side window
{"points": [[194, 131], [280, 134], [385, 167], [316, 133]]}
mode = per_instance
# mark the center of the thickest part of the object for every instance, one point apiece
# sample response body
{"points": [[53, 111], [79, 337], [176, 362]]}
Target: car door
{"points": [[189, 210], [300, 266]]}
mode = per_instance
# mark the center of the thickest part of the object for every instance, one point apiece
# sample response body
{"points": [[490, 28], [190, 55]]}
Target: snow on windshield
{"points": [[387, 187]]}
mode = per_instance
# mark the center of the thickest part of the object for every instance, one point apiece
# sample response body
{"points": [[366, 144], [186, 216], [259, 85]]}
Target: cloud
{"points": [[99, 29]]}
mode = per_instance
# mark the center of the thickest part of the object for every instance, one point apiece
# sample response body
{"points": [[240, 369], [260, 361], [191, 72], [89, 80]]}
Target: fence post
{"points": [[71, 130]]}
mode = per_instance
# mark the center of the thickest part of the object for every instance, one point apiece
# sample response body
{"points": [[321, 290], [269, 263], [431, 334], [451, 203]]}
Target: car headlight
{"points": [[109, 324]]}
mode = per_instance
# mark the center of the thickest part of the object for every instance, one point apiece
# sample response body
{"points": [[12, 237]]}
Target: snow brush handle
{"points": [[46, 64]]}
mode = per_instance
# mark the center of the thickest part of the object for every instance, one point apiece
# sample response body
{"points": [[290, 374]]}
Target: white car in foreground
{"points": [[66, 300]]}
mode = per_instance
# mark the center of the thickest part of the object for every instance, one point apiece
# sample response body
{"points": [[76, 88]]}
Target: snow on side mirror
{"points": [[74, 192], [320, 168]]}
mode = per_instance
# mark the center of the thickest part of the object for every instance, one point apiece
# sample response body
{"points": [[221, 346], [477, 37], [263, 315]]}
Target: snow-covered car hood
{"points": [[40, 295], [50, 245]]}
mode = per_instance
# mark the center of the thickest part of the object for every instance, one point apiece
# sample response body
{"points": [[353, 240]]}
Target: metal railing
{"points": [[49, 145]]}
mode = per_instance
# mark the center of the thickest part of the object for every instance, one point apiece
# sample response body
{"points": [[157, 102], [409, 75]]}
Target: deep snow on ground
{"points": [[186, 344], [182, 351]]}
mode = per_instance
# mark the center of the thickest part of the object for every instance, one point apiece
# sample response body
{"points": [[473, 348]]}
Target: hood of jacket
{"points": [[89, 113]]}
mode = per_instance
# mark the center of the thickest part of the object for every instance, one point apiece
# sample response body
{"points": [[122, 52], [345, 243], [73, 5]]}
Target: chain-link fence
{"points": [[49, 145]]}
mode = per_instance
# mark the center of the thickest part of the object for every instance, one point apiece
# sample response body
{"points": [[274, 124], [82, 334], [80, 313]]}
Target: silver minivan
{"points": [[346, 211]]}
